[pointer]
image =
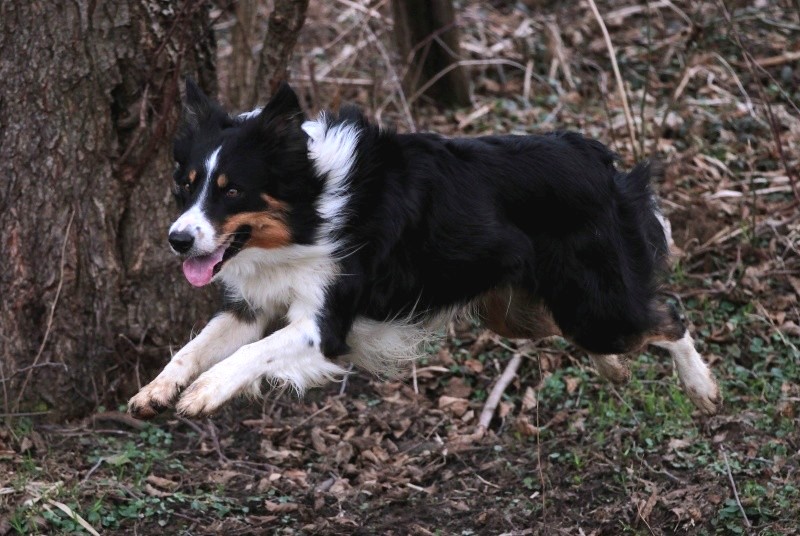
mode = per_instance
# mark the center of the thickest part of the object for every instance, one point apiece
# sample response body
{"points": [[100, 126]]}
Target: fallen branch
{"points": [[497, 392]]}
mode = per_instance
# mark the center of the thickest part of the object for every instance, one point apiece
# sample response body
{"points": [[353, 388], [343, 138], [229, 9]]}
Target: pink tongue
{"points": [[200, 270]]}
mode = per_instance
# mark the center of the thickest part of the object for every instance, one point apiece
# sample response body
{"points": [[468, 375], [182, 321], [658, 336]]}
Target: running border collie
{"points": [[336, 241]]}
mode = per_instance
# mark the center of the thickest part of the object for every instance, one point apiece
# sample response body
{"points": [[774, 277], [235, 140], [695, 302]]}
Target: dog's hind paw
{"points": [[704, 393], [613, 368], [154, 398]]}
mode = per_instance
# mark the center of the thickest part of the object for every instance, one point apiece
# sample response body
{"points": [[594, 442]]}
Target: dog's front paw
{"points": [[154, 398], [205, 396]]}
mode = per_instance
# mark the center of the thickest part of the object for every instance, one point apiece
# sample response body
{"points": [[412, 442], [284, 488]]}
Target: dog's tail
{"points": [[641, 211]]}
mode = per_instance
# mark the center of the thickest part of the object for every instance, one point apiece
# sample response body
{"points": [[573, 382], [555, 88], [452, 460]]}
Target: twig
{"points": [[624, 403], [776, 135], [733, 487], [620, 84], [52, 312], [772, 61], [539, 450], [94, 468], [212, 432], [395, 78], [498, 390], [343, 387], [6, 407], [463, 63]]}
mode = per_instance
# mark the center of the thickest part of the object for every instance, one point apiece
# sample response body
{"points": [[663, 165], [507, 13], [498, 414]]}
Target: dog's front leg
{"points": [[290, 356], [221, 337]]}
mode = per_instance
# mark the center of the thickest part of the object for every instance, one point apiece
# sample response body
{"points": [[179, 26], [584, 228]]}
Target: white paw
{"points": [[206, 395], [704, 393], [153, 398]]}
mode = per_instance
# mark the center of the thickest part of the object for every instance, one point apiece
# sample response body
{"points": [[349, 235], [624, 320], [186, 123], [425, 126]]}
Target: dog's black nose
{"points": [[181, 241]]}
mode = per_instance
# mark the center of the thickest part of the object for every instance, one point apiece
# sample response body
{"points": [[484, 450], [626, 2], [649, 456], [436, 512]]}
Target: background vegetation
{"points": [[711, 88]]}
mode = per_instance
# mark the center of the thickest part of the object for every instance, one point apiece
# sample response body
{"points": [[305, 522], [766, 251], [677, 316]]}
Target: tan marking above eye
{"points": [[222, 180], [192, 176], [267, 230]]}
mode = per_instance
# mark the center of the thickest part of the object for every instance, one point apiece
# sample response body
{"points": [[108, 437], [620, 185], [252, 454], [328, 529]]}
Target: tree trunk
{"points": [[88, 103], [253, 75], [283, 26], [427, 38]]}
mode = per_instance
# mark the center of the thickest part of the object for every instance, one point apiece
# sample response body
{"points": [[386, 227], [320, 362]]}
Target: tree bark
{"points": [[253, 73], [88, 103], [427, 37]]}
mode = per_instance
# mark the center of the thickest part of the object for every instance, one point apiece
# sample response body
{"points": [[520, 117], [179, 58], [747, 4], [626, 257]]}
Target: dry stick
{"points": [[620, 84], [6, 407], [52, 313], [395, 78], [776, 135], [539, 448], [498, 390], [462, 63], [733, 487]]}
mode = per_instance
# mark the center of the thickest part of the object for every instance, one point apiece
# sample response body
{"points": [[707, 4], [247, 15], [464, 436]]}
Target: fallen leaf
{"points": [[280, 508], [163, 483], [456, 406]]}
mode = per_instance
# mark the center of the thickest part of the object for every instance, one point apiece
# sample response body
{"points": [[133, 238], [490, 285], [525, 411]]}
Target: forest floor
{"points": [[567, 453]]}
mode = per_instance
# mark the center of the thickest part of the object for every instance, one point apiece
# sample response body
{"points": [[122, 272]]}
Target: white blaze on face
{"points": [[194, 221], [200, 267]]}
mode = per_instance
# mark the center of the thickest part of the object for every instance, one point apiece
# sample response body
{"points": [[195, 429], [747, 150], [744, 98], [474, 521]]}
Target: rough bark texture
{"points": [[284, 24], [427, 37], [245, 34], [88, 102]]}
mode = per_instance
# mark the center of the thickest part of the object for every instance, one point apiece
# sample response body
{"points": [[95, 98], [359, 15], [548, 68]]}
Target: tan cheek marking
{"points": [[192, 176], [222, 181], [267, 231]]}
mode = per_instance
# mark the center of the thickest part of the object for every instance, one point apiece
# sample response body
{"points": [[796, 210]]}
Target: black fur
{"points": [[440, 221], [434, 223]]}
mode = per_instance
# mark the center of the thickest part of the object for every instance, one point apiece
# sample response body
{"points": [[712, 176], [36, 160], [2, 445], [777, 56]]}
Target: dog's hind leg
{"points": [[221, 337], [511, 312], [695, 376], [612, 367]]}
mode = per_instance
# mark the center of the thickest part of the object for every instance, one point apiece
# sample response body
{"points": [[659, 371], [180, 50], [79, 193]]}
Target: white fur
{"points": [[332, 149], [694, 374], [274, 279], [222, 336], [283, 357], [194, 221], [244, 116], [665, 224], [291, 280]]}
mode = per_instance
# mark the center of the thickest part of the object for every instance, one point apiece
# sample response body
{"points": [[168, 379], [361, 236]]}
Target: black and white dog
{"points": [[336, 241]]}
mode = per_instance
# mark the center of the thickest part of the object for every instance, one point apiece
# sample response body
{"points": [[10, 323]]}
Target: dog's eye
{"points": [[186, 186], [232, 192]]}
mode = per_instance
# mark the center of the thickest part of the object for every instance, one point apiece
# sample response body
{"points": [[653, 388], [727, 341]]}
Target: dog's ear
{"points": [[282, 111], [199, 110]]}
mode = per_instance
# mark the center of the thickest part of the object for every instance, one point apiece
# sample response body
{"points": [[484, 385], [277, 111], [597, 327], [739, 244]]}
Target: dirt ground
{"points": [[566, 453]]}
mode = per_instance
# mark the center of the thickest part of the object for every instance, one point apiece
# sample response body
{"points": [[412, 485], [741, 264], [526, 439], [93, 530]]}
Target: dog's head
{"points": [[241, 182]]}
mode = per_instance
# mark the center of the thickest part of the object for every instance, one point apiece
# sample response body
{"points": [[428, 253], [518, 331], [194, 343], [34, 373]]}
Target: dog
{"points": [[335, 241]]}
